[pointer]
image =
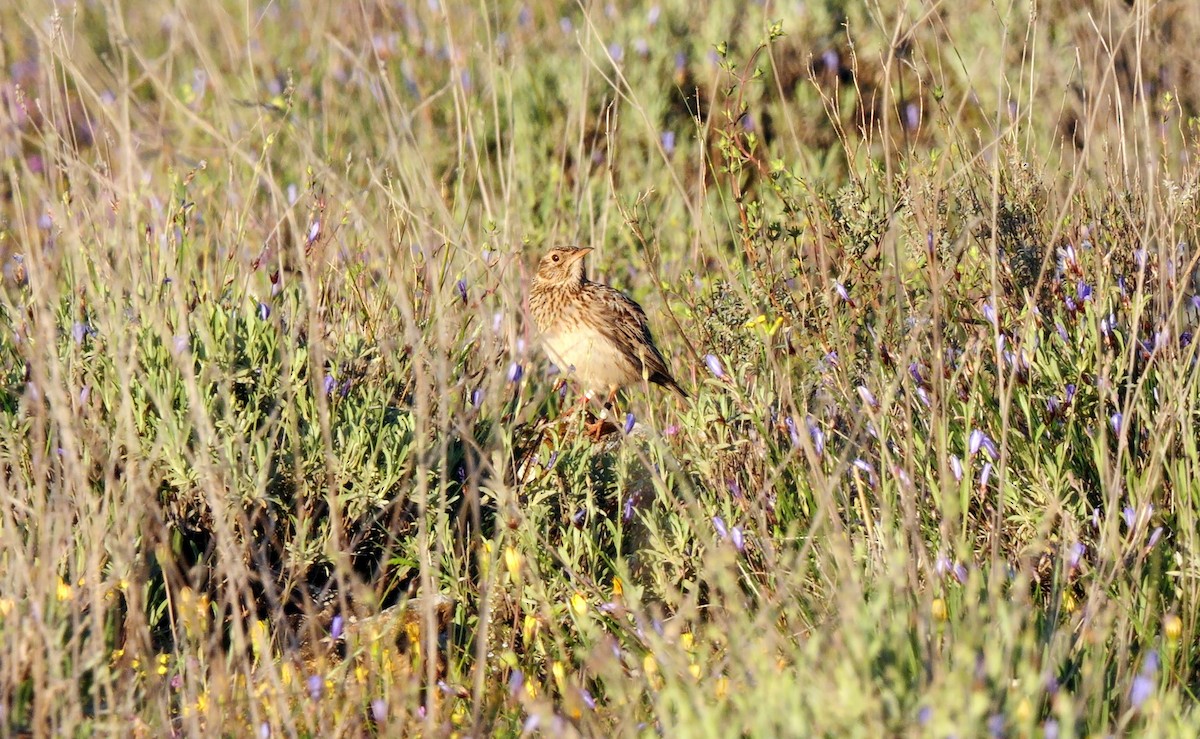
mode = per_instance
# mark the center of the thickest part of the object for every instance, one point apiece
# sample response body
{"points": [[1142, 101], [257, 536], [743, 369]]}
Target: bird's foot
{"points": [[598, 428]]}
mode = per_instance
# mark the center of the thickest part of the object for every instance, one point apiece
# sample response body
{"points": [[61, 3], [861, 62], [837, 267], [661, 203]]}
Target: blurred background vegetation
{"points": [[279, 454]]}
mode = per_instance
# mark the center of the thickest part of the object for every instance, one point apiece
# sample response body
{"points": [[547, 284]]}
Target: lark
{"points": [[594, 333]]}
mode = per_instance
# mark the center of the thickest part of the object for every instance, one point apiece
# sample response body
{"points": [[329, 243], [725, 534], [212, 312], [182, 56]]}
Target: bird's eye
{"points": [[554, 258]]}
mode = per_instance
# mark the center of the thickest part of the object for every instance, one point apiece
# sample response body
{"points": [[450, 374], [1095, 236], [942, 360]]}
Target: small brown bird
{"points": [[591, 331]]}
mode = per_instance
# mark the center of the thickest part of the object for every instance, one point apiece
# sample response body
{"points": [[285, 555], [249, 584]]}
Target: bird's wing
{"points": [[629, 330]]}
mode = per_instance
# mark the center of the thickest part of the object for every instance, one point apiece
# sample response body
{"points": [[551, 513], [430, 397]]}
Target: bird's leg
{"points": [[596, 429]]}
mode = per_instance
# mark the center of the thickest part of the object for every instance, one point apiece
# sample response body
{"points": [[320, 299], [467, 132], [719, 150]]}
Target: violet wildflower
{"points": [[181, 344], [914, 371], [1070, 393], [461, 288], [1050, 729], [1053, 406], [924, 714], [316, 687], [328, 384], [629, 422], [792, 432], [995, 725], [956, 468], [985, 474], [1155, 535], [1130, 516], [841, 291], [379, 710], [336, 627], [816, 434], [1141, 690], [264, 311], [587, 698], [668, 142], [1069, 303], [960, 573], [515, 681], [989, 313], [719, 525], [714, 366], [1083, 291], [867, 396], [1075, 555], [1115, 422], [477, 397], [738, 538], [515, 372], [314, 232], [974, 442]]}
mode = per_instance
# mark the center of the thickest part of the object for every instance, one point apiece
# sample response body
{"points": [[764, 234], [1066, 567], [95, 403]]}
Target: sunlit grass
{"points": [[280, 455]]}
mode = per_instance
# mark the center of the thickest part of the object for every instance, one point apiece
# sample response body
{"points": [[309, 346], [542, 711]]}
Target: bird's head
{"points": [[563, 265]]}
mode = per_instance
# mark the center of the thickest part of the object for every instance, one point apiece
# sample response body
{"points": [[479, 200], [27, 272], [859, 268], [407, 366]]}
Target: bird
{"points": [[592, 331]]}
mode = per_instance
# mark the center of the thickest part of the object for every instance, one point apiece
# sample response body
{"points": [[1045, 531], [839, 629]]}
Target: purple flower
{"points": [[79, 331], [792, 432], [477, 397], [974, 441], [328, 384], [841, 291], [1050, 729], [942, 565], [1069, 302], [1083, 291], [629, 421], [461, 288], [181, 344], [989, 313], [264, 730], [336, 627], [985, 474], [960, 573], [956, 468], [867, 396], [1062, 332], [1141, 690], [515, 372], [379, 710], [316, 687], [1130, 516], [627, 510], [579, 518], [515, 681], [1155, 535], [995, 724], [1075, 554], [314, 231], [668, 142], [1053, 405], [1070, 392], [719, 525], [565, 24], [816, 434], [914, 371], [587, 698], [1115, 422], [714, 366], [264, 311], [738, 538]]}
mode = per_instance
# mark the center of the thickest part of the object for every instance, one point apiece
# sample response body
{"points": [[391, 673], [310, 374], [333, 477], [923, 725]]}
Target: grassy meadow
{"points": [[280, 454]]}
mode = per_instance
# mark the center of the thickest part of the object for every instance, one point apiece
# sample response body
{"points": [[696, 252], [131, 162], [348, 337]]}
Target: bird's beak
{"points": [[580, 253]]}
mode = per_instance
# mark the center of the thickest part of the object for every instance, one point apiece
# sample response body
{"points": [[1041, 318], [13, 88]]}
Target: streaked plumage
{"points": [[591, 331]]}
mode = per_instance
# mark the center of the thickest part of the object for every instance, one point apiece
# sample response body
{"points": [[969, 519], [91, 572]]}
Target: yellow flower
{"points": [[65, 591], [512, 560], [529, 627], [1172, 627], [579, 604], [694, 669], [162, 664], [722, 688], [558, 672], [6, 606], [937, 609], [618, 589], [687, 641]]}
